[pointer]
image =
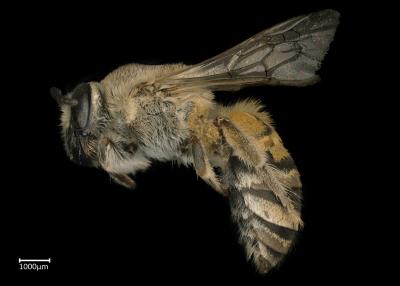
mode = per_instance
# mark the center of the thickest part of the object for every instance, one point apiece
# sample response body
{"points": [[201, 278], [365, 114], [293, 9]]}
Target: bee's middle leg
{"points": [[203, 167]]}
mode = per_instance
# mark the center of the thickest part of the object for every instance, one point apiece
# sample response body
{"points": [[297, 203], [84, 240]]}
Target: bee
{"points": [[142, 113]]}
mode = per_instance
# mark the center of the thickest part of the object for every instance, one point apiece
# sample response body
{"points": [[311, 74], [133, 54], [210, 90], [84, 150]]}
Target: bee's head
{"points": [[83, 120]]}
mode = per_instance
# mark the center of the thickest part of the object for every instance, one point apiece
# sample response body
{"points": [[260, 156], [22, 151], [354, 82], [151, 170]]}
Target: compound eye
{"points": [[81, 111]]}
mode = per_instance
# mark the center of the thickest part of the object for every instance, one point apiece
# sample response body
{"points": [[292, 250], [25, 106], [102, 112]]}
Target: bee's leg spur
{"points": [[203, 167], [123, 180]]}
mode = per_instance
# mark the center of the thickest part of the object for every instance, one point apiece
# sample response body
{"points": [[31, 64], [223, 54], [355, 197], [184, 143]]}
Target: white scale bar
{"points": [[33, 260]]}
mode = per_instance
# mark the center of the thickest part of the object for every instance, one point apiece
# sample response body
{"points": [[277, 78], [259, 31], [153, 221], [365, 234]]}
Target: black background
{"points": [[173, 227]]}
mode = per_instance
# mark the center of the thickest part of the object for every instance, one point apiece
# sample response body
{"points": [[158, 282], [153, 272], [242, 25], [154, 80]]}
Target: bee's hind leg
{"points": [[244, 146]]}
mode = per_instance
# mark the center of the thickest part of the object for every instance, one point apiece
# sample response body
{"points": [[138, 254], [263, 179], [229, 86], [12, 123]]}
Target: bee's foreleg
{"points": [[123, 180], [244, 146], [203, 167]]}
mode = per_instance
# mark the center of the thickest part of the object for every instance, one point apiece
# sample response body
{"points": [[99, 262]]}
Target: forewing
{"points": [[289, 54]]}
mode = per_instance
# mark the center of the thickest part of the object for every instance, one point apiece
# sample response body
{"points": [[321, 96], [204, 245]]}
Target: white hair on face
{"points": [[113, 162]]}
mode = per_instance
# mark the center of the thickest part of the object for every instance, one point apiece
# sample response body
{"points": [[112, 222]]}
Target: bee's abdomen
{"points": [[267, 222], [265, 243], [265, 198]]}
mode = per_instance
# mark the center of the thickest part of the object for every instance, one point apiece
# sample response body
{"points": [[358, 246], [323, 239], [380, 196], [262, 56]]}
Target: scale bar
{"points": [[33, 260]]}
